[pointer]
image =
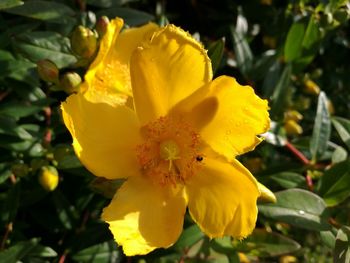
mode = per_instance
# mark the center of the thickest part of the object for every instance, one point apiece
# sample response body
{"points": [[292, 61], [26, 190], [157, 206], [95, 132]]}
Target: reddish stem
{"points": [[8, 230], [297, 153], [309, 183]]}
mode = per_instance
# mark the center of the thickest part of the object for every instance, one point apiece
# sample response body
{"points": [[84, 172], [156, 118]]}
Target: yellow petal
{"points": [[228, 116], [108, 78], [222, 199], [144, 216], [165, 70], [104, 137]]}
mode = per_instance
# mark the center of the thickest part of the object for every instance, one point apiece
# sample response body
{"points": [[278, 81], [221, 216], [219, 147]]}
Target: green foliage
{"points": [[293, 53]]}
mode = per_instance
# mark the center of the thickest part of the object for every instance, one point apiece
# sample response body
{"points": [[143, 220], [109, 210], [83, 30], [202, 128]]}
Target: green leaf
{"points": [[44, 10], [293, 46], [9, 126], [271, 79], [215, 53], [339, 155], [298, 207], [17, 110], [15, 253], [42, 251], [335, 183], [288, 179], [131, 17], [243, 54], [45, 45], [10, 3], [342, 246], [100, 253], [268, 244], [312, 34], [189, 237], [280, 94], [322, 129], [343, 128], [328, 238]]}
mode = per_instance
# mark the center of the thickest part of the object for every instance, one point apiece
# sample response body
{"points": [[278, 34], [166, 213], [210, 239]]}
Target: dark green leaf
{"points": [[335, 183], [131, 17], [243, 54], [10, 206], [328, 238], [45, 45], [288, 179], [293, 46], [215, 52], [42, 251], [16, 110], [271, 79], [65, 211], [15, 253], [312, 34], [343, 128], [342, 246], [10, 3], [322, 128], [279, 96], [100, 253], [44, 10], [298, 207], [266, 244]]}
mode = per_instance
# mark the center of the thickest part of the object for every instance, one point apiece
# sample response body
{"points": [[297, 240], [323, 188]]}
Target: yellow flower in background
{"points": [[176, 145]]}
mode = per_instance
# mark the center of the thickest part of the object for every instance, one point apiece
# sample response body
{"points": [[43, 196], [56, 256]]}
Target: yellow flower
{"points": [[176, 145]]}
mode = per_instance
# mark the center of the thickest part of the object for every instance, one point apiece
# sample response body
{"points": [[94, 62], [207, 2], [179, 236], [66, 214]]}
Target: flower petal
{"points": [[144, 216], [104, 137], [165, 70], [235, 109], [222, 199], [108, 78]]}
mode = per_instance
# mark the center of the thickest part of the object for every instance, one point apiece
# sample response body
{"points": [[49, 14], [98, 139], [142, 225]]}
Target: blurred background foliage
{"points": [[294, 53]]}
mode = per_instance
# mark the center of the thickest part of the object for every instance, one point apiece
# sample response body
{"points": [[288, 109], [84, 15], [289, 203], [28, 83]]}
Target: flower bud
{"points": [[47, 70], [48, 178], [292, 128], [265, 194], [83, 42], [101, 25], [330, 107], [293, 115], [70, 82], [287, 259], [311, 87]]}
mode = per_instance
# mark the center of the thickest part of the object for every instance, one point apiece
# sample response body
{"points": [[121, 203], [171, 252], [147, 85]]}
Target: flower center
{"points": [[170, 152]]}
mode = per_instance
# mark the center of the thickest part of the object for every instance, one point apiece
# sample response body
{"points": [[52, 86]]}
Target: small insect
{"points": [[199, 158]]}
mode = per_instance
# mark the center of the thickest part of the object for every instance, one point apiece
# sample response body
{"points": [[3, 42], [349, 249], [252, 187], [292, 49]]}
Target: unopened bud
{"points": [[101, 25], [292, 128], [288, 259], [83, 42], [48, 178], [330, 107], [293, 115], [311, 87], [47, 70], [265, 194], [70, 82]]}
